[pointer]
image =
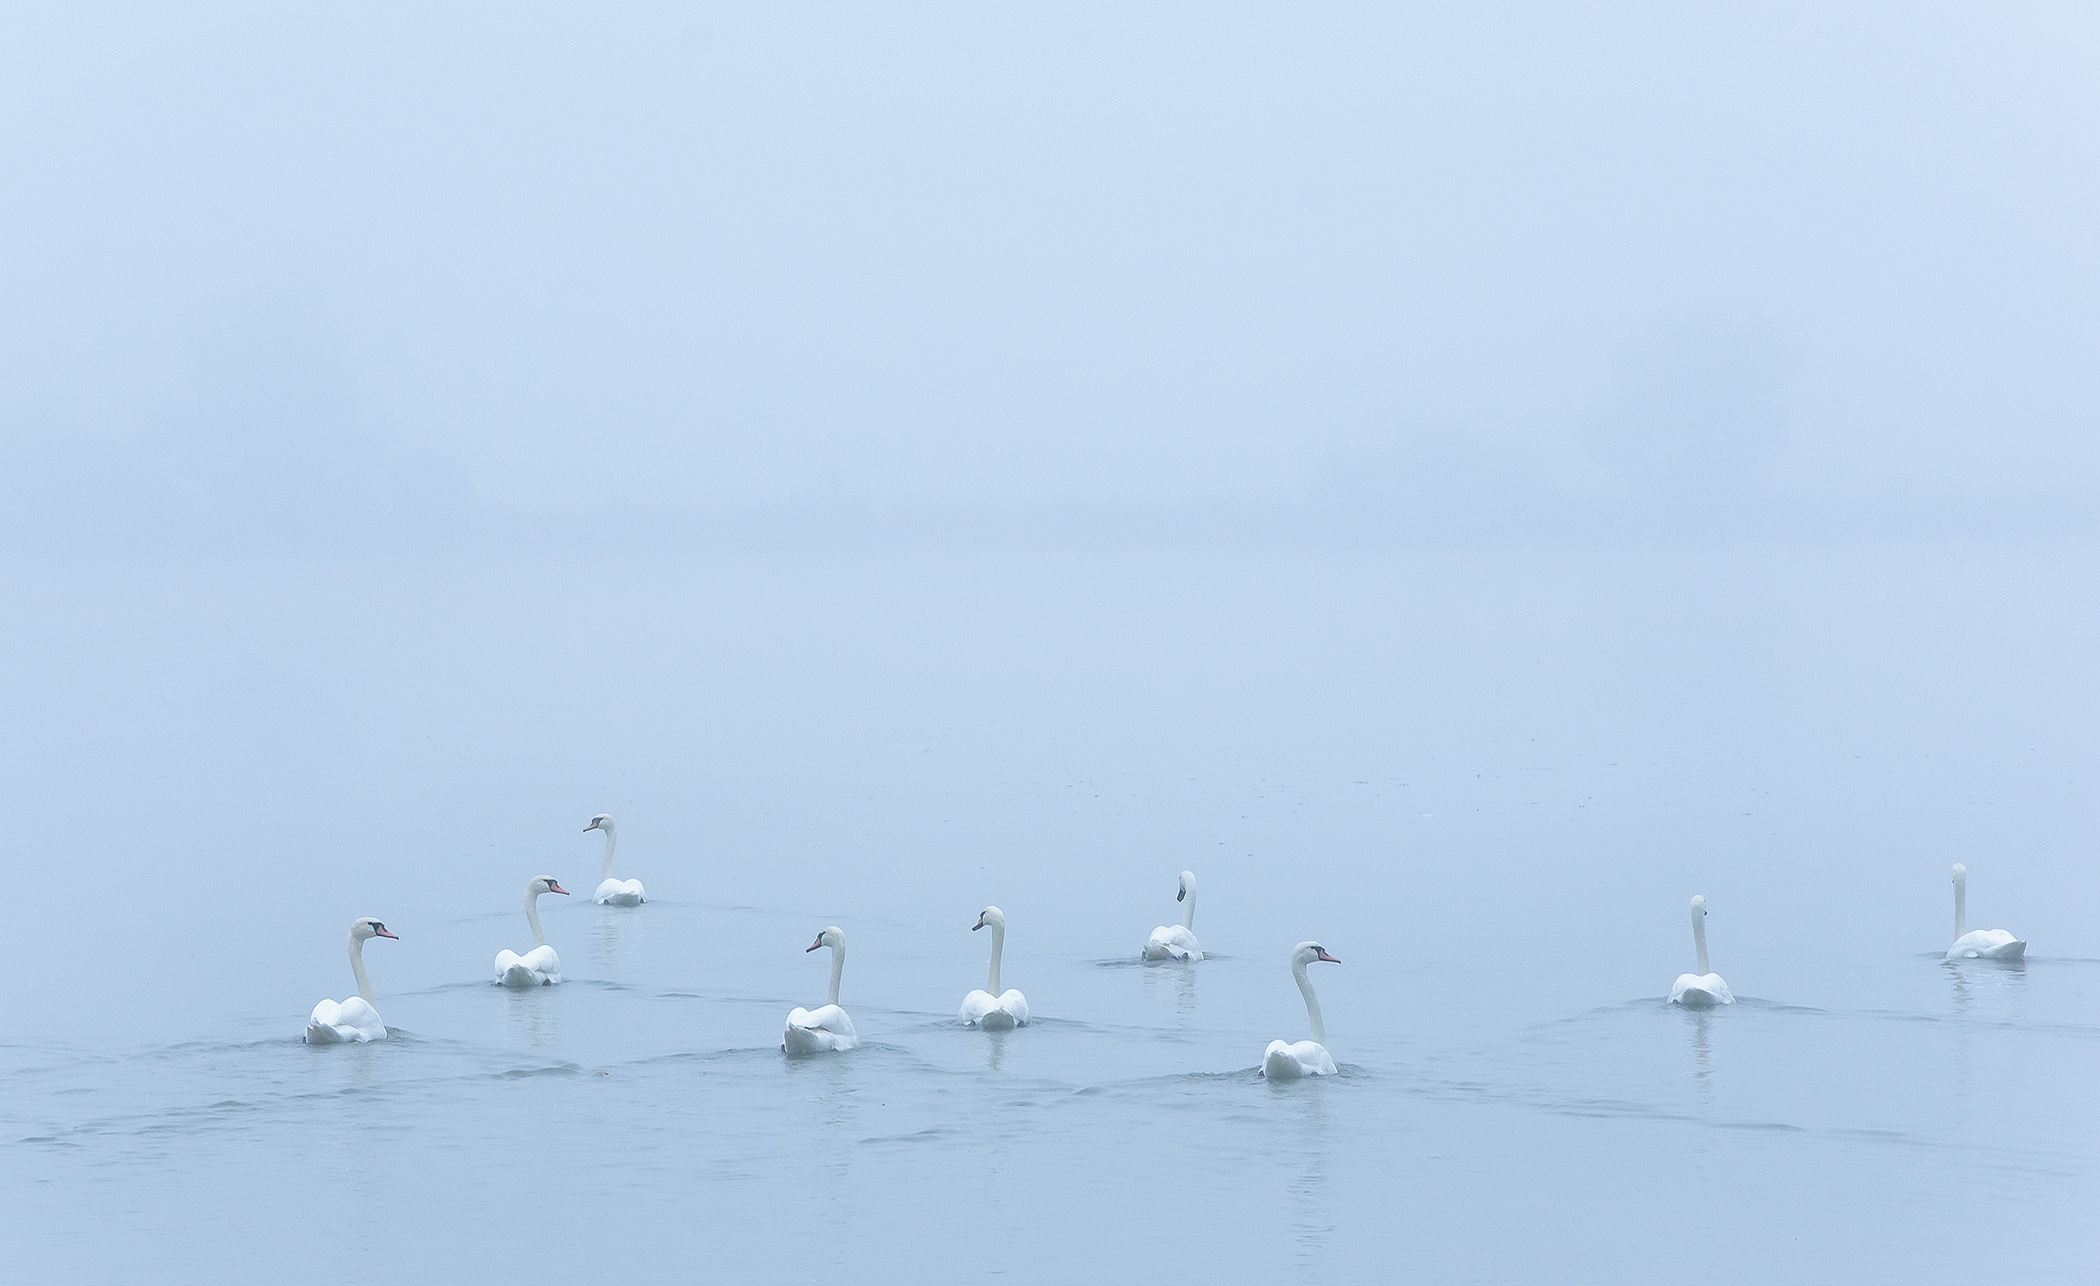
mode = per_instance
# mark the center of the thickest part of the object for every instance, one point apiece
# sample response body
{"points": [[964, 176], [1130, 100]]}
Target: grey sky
{"points": [[285, 276]]}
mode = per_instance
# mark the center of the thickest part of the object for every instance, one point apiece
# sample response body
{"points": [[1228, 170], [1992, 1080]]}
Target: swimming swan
{"points": [[539, 967], [1281, 1062], [1701, 990], [1178, 941], [819, 1030], [356, 1019], [1978, 944], [1010, 1010], [612, 892]]}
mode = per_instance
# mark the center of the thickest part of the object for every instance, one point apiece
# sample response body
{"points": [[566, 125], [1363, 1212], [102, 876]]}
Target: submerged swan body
{"points": [[1978, 944], [355, 1020], [991, 1008], [826, 1029], [539, 967], [1704, 989], [612, 892], [1288, 1061], [1178, 941]]}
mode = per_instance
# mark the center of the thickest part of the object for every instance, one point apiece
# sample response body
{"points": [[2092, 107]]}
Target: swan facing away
{"points": [[539, 967], [979, 1008], [1978, 944], [1701, 990], [356, 1019], [822, 1030], [612, 892], [1178, 941], [1288, 1062]]}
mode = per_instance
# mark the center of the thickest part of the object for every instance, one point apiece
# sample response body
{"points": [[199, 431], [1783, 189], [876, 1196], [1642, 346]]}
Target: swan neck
{"points": [[998, 949], [1312, 1004], [838, 970], [357, 966], [610, 838], [1699, 939], [1188, 915], [532, 916], [1961, 907]]}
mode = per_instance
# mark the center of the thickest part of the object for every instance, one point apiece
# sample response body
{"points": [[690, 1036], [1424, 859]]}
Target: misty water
{"points": [[1487, 779]]}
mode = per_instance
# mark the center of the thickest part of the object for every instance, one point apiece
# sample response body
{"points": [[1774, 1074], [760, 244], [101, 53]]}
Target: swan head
{"points": [[367, 928], [1306, 953], [602, 822], [1961, 873], [1188, 881], [831, 937], [545, 884], [990, 915]]}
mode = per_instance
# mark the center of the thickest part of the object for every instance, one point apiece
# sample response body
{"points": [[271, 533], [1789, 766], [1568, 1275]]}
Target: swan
{"points": [[612, 892], [1010, 1010], [1281, 1062], [1701, 990], [356, 1019], [1178, 941], [814, 1031], [539, 967], [1978, 944]]}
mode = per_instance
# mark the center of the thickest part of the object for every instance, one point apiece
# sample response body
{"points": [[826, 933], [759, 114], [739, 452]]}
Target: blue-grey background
{"points": [[1460, 483]]}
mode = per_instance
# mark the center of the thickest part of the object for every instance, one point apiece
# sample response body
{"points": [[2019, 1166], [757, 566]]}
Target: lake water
{"points": [[1487, 780]]}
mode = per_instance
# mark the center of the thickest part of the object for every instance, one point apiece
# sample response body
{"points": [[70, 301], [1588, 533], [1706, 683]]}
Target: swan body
{"points": [[991, 1008], [1178, 941], [828, 1028], [612, 892], [1283, 1061], [356, 1020], [1978, 944], [1704, 989], [539, 967]]}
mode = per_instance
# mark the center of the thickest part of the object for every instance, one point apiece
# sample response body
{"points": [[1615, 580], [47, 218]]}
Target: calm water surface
{"points": [[1489, 782]]}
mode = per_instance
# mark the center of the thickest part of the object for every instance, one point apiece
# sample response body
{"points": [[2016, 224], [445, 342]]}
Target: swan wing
{"points": [[1700, 991], [975, 1006], [1015, 1006], [811, 1031], [620, 893], [1172, 942], [543, 961], [1987, 944], [1288, 1062], [352, 1020]]}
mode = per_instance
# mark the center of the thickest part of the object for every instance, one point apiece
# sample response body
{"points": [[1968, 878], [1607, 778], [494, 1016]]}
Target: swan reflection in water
{"points": [[1702, 1025], [1182, 981], [995, 1048], [1312, 1216], [530, 1017], [611, 924]]}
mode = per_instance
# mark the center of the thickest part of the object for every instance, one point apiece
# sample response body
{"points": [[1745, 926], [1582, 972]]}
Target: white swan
{"points": [[1978, 944], [815, 1031], [1178, 941], [539, 967], [979, 1009], [356, 1019], [1701, 990], [1281, 1062], [612, 892]]}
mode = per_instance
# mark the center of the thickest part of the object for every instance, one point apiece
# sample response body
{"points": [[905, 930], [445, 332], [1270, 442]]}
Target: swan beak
{"points": [[1328, 958], [979, 925], [1180, 894], [593, 826], [384, 933], [552, 887], [813, 946]]}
